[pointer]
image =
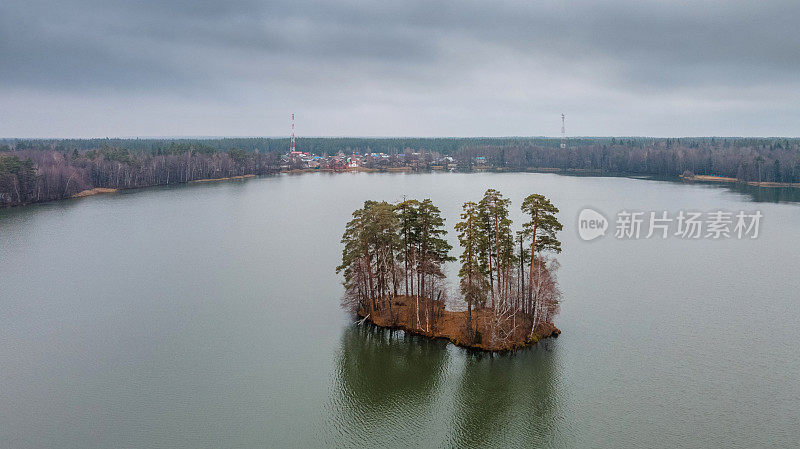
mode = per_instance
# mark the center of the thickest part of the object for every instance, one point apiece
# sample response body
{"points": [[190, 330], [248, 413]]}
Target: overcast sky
{"points": [[103, 68]]}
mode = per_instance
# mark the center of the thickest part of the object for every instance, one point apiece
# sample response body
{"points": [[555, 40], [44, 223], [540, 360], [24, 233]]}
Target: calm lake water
{"points": [[208, 316]]}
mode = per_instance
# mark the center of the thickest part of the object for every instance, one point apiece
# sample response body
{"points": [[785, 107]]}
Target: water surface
{"points": [[207, 316]]}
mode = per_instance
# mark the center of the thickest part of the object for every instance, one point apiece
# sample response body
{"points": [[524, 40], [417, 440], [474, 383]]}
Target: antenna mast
{"points": [[291, 143], [563, 131]]}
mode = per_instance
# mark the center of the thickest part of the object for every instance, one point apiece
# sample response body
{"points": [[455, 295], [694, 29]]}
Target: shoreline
{"points": [[227, 178], [106, 190], [451, 325], [92, 192], [725, 179], [591, 173]]}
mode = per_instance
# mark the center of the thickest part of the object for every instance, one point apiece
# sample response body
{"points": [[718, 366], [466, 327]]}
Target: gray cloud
{"points": [[88, 67]]}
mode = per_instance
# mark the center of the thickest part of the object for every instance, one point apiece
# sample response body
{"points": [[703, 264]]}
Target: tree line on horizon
{"points": [[400, 250], [30, 175], [33, 170], [317, 145], [746, 159]]}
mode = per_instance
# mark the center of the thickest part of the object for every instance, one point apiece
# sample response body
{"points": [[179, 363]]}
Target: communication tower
{"points": [[291, 143]]}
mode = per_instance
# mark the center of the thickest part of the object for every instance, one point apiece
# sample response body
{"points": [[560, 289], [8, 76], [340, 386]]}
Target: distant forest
{"points": [[32, 173], [317, 145], [47, 169]]}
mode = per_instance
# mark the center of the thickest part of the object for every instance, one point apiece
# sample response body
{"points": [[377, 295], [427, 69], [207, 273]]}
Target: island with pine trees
{"points": [[393, 265]]}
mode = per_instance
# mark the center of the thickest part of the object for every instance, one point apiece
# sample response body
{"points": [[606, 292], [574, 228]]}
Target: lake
{"points": [[208, 316]]}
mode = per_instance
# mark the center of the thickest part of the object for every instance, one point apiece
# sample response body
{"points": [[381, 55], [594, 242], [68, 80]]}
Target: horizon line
{"points": [[211, 137]]}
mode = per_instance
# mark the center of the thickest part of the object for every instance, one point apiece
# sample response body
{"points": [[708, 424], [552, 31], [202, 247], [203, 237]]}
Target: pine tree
{"points": [[474, 284], [541, 230], [371, 241], [497, 235], [433, 250], [356, 264], [408, 215]]}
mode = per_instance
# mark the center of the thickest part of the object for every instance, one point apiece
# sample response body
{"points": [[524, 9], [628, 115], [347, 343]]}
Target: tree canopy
{"points": [[393, 264]]}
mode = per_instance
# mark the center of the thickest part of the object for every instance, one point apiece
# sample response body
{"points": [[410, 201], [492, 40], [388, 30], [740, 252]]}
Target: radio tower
{"points": [[563, 131], [291, 143]]}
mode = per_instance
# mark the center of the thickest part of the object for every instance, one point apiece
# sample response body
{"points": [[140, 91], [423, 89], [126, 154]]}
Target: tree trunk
{"points": [[521, 275], [405, 262], [491, 275], [497, 249], [530, 277]]}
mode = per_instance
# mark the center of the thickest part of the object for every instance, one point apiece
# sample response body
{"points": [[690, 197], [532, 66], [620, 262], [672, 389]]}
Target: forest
{"points": [[36, 175], [316, 145], [746, 159], [34, 170], [394, 258]]}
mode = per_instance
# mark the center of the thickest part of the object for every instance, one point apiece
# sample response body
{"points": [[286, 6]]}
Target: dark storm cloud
{"points": [[152, 44], [407, 53]]}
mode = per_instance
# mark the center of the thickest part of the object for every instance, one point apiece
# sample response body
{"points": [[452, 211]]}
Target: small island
{"points": [[393, 265]]}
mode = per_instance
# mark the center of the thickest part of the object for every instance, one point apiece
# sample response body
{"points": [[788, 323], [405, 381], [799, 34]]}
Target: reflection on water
{"points": [[483, 401], [381, 371], [386, 382], [758, 194], [392, 389], [766, 194], [207, 316], [506, 400]]}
